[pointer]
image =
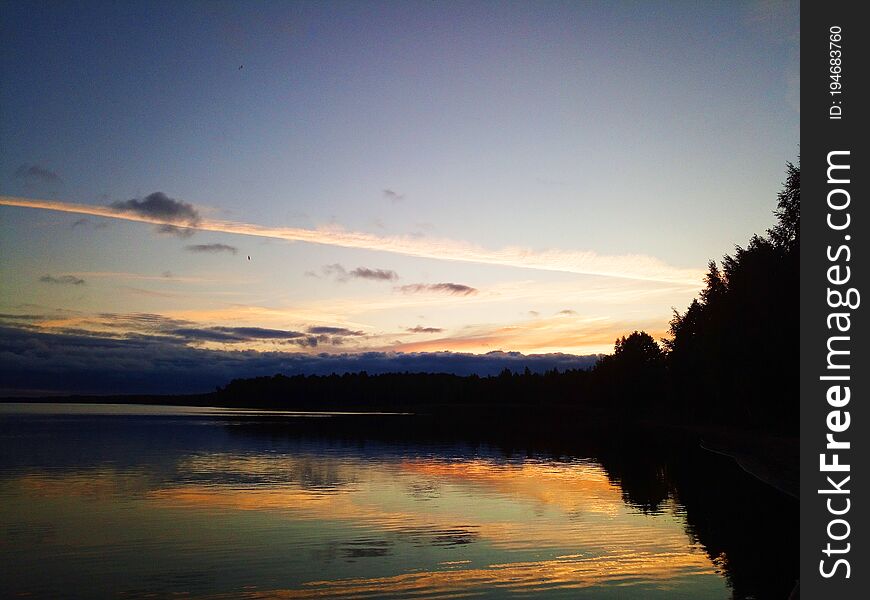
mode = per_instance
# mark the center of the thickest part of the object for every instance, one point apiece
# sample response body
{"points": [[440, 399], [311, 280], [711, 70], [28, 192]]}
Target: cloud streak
{"points": [[31, 174], [419, 329], [454, 289], [337, 331], [393, 195], [212, 248], [630, 266], [62, 280], [342, 274]]}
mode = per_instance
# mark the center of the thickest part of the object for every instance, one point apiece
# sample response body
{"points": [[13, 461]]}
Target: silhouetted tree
{"points": [[633, 376], [733, 354]]}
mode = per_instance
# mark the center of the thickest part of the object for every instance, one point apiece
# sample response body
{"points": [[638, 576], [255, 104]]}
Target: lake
{"points": [[141, 501]]}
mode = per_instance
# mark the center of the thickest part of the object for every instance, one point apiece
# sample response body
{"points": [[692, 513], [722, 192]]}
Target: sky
{"points": [[312, 187]]}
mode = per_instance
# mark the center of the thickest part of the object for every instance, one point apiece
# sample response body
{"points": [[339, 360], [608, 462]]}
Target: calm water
{"points": [[127, 501]]}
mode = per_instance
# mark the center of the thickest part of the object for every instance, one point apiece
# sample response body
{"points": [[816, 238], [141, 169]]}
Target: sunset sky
{"points": [[406, 178]]}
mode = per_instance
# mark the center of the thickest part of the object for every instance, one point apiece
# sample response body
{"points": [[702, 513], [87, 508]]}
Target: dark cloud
{"points": [[567, 311], [33, 174], [182, 232], [374, 274], [454, 289], [206, 334], [212, 248], [338, 331], [262, 333], [420, 329], [85, 222], [78, 363], [534, 313], [179, 216], [63, 280], [310, 338], [393, 196], [235, 334], [338, 272]]}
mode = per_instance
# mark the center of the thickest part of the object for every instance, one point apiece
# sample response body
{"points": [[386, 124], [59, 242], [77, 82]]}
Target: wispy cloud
{"points": [[182, 232], [241, 334], [420, 329], [393, 195], [212, 248], [454, 289], [62, 280], [338, 331], [341, 274], [374, 274], [34, 174], [631, 266], [312, 337]]}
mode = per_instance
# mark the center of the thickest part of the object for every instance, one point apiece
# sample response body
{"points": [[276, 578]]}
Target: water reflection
{"points": [[219, 508]]}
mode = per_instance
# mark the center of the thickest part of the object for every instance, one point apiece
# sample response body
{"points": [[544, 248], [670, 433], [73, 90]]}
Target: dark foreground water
{"points": [[132, 501]]}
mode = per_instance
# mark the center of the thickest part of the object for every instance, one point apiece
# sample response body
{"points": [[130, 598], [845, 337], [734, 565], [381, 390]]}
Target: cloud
{"points": [[210, 334], [212, 248], [454, 289], [167, 213], [160, 206], [341, 274], [586, 262], [337, 331], [393, 196], [182, 232], [237, 334], [79, 223], [63, 280], [312, 337], [419, 329], [35, 174], [78, 363], [567, 311], [20, 317], [374, 274]]}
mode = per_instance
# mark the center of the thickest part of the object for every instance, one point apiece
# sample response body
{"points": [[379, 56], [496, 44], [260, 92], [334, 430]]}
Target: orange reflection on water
{"points": [[537, 576], [527, 505], [573, 487], [565, 524]]}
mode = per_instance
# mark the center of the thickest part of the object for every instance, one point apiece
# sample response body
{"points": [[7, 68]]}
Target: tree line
{"points": [[731, 357]]}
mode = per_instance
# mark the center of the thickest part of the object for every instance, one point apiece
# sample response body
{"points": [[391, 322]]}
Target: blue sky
{"points": [[560, 131]]}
